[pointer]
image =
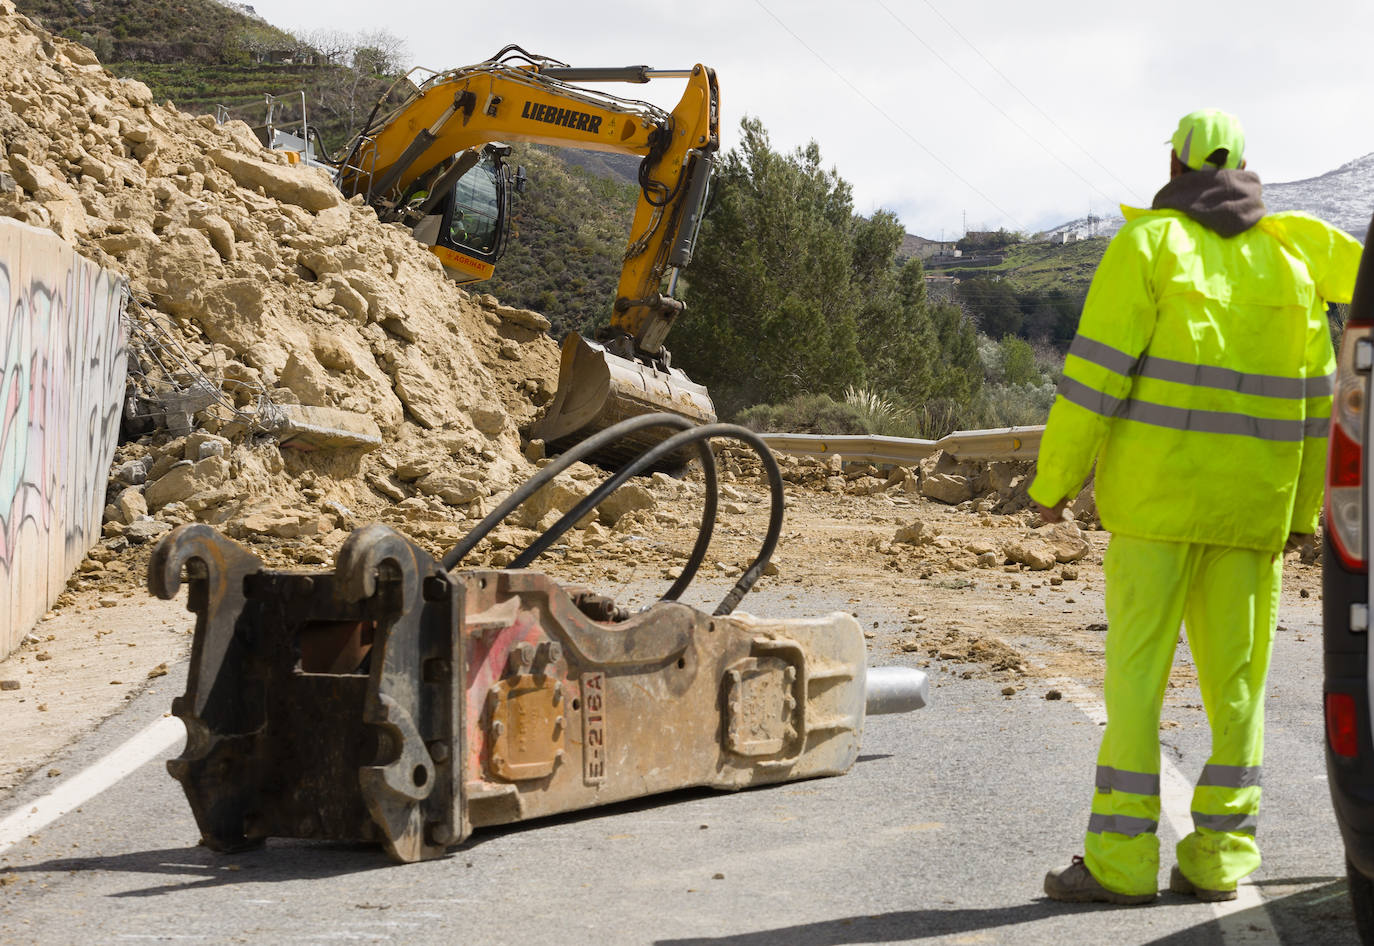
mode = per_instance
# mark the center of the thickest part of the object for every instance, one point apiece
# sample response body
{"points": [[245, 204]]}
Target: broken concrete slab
{"points": [[327, 428]]}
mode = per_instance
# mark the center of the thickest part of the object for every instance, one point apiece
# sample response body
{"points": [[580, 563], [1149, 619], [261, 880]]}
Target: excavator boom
{"points": [[404, 161]]}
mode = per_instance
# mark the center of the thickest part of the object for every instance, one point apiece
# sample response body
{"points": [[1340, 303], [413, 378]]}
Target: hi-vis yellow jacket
{"points": [[1200, 379]]}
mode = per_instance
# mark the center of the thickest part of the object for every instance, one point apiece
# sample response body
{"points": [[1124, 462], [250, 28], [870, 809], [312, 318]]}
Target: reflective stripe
{"points": [[1201, 376], [1113, 359], [1121, 824], [1120, 780], [1229, 776], [1086, 397], [1241, 382], [1214, 422], [1235, 824], [1183, 418]]}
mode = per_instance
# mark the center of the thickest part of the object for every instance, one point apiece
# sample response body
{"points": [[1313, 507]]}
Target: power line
{"points": [[879, 109], [1043, 114], [965, 79]]}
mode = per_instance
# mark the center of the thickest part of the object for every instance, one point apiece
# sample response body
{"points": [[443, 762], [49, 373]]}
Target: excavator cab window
{"points": [[476, 210], [476, 215]]}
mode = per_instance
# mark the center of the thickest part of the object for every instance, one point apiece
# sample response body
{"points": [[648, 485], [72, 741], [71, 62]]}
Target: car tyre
{"points": [[1361, 902]]}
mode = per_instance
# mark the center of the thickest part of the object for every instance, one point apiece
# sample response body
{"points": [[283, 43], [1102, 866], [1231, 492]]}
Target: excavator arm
{"points": [[447, 135], [422, 142]]}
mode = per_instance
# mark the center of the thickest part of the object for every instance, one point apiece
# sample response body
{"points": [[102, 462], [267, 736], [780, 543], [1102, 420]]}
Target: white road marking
{"points": [[91, 781], [1244, 921]]}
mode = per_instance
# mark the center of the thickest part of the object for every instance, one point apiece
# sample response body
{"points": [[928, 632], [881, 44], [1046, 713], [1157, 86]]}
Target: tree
{"points": [[896, 337], [771, 306], [1017, 361], [992, 303]]}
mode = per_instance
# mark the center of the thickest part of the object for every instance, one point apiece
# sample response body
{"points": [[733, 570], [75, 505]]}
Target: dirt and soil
{"points": [[260, 290]]}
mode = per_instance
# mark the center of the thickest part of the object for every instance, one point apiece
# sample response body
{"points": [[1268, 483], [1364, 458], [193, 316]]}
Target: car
{"points": [[1346, 597]]}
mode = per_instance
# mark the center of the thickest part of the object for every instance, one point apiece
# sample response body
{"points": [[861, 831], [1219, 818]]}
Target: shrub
{"points": [[805, 414]]}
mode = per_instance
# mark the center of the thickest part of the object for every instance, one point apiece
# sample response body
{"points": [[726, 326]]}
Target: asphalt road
{"points": [[941, 833]]}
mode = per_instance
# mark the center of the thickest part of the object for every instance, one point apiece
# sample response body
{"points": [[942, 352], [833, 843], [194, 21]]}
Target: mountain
{"points": [[1343, 197]]}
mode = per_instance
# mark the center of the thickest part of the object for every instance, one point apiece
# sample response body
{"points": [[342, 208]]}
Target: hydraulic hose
{"points": [[591, 445], [648, 458]]}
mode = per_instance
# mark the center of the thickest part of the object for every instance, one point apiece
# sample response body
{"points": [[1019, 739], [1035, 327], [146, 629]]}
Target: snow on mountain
{"points": [[1343, 197]]}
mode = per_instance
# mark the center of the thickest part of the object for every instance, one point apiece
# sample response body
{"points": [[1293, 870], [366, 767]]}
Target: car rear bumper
{"points": [[1345, 662]]}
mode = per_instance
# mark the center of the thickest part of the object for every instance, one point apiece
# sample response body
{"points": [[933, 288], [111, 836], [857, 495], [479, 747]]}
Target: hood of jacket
{"points": [[1226, 201]]}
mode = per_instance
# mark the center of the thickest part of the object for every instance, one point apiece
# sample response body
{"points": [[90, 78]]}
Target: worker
{"points": [[1200, 381]]}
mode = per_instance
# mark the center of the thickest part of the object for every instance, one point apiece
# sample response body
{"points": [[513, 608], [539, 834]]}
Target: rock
{"points": [[200, 445], [132, 505], [453, 489], [220, 234], [915, 533], [947, 488], [524, 318], [1036, 554], [186, 479], [1066, 539], [421, 393], [558, 496], [305, 187], [33, 177], [146, 530], [629, 498], [309, 380], [489, 420], [133, 473]]}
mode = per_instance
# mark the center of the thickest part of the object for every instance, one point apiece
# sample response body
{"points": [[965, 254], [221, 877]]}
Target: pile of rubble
{"points": [[301, 365], [301, 368]]}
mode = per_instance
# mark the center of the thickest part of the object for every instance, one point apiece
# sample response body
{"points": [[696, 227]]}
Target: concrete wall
{"points": [[63, 358]]}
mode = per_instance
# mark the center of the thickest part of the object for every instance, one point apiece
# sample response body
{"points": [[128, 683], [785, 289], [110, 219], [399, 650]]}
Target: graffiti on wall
{"points": [[62, 367]]}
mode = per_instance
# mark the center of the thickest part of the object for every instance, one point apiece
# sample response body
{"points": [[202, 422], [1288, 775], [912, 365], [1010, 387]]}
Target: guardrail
{"points": [[1002, 443]]}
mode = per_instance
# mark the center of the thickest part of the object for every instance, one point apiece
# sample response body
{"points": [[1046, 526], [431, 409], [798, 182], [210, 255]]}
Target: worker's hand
{"points": [[1053, 513], [1298, 541]]}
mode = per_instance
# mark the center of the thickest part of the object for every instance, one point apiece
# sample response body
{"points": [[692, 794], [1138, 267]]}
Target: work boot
{"points": [[1076, 884], [1179, 883]]}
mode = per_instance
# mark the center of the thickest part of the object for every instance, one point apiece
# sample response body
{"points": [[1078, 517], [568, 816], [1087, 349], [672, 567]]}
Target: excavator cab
{"points": [[468, 220]]}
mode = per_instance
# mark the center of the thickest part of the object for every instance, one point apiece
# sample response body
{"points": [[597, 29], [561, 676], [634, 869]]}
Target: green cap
{"points": [[1202, 132]]}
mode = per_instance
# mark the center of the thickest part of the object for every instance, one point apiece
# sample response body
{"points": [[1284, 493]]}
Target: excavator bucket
{"points": [[597, 390]]}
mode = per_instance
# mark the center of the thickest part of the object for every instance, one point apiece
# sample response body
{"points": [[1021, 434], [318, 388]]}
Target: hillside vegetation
{"points": [[1045, 266], [567, 241], [199, 54]]}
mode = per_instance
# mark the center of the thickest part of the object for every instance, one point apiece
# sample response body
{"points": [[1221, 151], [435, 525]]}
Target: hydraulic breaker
{"points": [[399, 699], [388, 700]]}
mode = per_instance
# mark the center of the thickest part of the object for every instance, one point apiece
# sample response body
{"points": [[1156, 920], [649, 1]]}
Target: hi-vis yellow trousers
{"points": [[1227, 598]]}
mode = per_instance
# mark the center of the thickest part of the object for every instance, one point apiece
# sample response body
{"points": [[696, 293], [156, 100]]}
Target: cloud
{"points": [[1053, 109]]}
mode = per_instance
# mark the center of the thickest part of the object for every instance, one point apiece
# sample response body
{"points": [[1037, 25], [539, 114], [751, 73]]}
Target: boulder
{"points": [[948, 488], [185, 480], [631, 497], [305, 187]]}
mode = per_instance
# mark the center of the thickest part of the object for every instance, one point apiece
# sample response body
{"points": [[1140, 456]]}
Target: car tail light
{"points": [[1342, 726], [1345, 512]]}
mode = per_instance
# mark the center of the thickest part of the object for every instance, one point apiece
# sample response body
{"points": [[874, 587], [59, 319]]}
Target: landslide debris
{"points": [[265, 302]]}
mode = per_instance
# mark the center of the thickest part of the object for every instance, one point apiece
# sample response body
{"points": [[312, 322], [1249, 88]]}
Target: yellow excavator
{"points": [[437, 163]]}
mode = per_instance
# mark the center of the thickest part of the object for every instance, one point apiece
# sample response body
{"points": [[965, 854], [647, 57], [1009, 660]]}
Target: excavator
{"points": [[437, 162]]}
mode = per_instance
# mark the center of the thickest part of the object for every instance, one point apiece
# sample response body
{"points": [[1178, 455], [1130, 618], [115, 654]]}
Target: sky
{"points": [[979, 115]]}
